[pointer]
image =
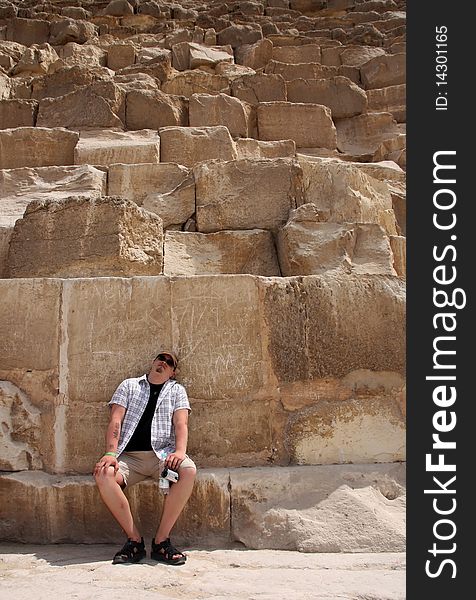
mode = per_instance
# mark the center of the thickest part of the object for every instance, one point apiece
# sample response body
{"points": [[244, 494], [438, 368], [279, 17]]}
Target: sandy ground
{"points": [[84, 572]]}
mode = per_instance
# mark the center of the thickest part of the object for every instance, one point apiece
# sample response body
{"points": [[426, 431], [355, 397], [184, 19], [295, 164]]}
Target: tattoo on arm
{"points": [[115, 433]]}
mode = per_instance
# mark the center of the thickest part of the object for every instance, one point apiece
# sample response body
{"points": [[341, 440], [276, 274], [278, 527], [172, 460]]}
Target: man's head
{"points": [[163, 367]]}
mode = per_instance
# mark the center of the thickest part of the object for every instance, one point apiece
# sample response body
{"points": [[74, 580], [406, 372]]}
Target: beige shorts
{"points": [[137, 466]]}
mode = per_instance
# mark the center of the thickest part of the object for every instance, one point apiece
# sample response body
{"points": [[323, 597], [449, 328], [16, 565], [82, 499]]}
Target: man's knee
{"points": [[187, 472], [108, 476]]}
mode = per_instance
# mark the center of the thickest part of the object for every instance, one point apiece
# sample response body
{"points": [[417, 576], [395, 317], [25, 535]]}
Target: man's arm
{"points": [[180, 421], [113, 433]]}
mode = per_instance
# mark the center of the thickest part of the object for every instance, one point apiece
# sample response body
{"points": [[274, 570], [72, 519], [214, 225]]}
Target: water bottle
{"points": [[164, 484]]}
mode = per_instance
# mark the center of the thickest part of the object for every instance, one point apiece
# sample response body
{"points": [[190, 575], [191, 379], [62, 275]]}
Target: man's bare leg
{"points": [[114, 498], [174, 503]]}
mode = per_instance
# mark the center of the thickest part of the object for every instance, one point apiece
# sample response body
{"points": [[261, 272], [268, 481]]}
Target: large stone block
{"points": [[390, 99], [259, 88], [343, 193], [120, 56], [18, 187], [308, 246], [150, 109], [221, 109], [36, 60], [68, 79], [99, 147], [36, 147], [28, 31], [399, 249], [342, 96], [357, 56], [63, 31], [308, 53], [246, 194], [255, 55], [188, 253], [5, 235], [196, 82], [384, 71], [189, 55], [84, 237], [206, 516], [251, 148], [18, 113], [237, 35], [289, 72], [166, 189], [83, 55], [309, 125], [372, 498], [191, 145]]}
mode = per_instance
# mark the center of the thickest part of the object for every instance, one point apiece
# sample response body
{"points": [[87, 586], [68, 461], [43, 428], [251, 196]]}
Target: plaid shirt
{"points": [[133, 395]]}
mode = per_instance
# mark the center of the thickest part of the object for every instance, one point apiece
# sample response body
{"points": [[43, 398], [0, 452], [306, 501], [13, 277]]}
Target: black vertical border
{"points": [[430, 131]]}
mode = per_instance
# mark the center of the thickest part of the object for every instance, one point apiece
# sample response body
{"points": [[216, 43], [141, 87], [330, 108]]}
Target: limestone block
{"points": [[81, 237], [20, 430], [28, 31], [18, 187], [190, 55], [166, 189], [68, 110], [191, 145], [238, 35], [399, 249], [68, 79], [5, 87], [383, 71], [390, 99], [154, 9], [136, 81], [255, 55], [5, 235], [63, 31], [232, 71], [309, 125], [36, 147], [253, 252], [120, 56], [84, 55], [75, 12], [102, 147], [18, 113], [119, 8], [206, 516], [372, 136], [342, 96], [309, 53], [150, 109], [196, 82], [343, 193], [221, 109], [10, 53], [251, 148], [246, 194], [36, 60], [349, 323], [159, 66], [357, 56], [302, 509], [259, 88], [289, 72]]}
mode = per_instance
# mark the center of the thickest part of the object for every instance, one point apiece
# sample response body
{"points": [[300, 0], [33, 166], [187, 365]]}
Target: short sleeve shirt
{"points": [[133, 395]]}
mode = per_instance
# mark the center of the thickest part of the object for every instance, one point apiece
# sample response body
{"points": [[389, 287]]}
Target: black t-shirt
{"points": [[140, 439]]}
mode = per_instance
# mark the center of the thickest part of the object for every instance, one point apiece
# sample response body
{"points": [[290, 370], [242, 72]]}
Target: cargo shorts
{"points": [[139, 465]]}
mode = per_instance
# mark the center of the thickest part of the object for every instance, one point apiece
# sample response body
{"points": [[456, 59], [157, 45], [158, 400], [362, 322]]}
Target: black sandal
{"points": [[165, 552], [131, 552]]}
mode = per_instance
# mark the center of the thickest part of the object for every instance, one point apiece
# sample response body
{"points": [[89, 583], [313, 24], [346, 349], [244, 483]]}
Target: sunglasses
{"points": [[167, 359]]}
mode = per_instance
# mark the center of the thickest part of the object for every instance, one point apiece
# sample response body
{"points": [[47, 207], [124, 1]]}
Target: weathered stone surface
{"points": [[383, 71], [251, 148], [246, 194], [189, 55], [75, 12], [5, 235], [67, 79], [357, 56], [28, 31], [99, 147], [255, 55], [289, 72], [206, 516], [399, 249], [83, 55], [36, 147], [373, 136], [308, 246], [253, 252], [342, 96], [68, 110], [10, 53], [343, 193], [150, 109], [120, 56], [196, 82], [158, 65], [390, 99], [165, 189], [232, 71], [36, 60], [17, 113], [309, 53], [81, 237], [18, 187], [191, 145], [259, 88], [371, 497], [221, 109], [68, 30], [309, 125], [118, 8], [238, 35]]}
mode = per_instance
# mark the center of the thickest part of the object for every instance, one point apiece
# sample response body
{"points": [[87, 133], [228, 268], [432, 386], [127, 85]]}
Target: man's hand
{"points": [[104, 463], [174, 460]]}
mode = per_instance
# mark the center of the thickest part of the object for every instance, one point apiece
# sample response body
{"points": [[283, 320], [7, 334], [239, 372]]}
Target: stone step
{"points": [[335, 508]]}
